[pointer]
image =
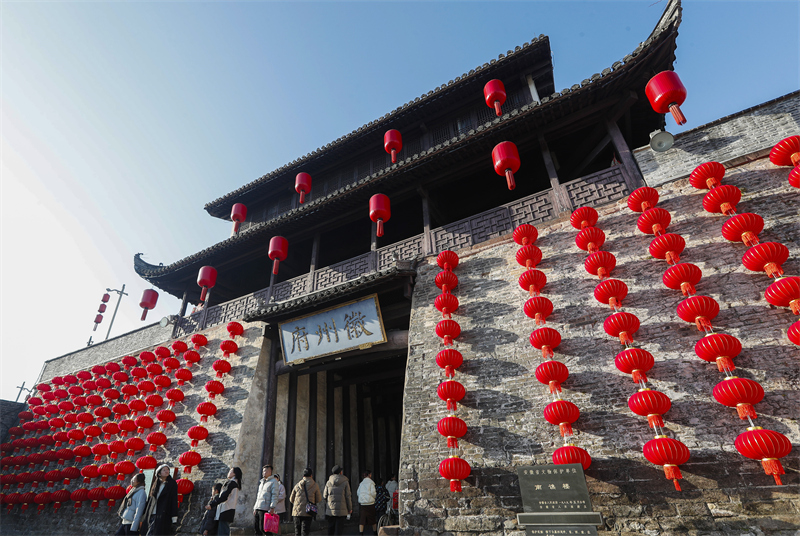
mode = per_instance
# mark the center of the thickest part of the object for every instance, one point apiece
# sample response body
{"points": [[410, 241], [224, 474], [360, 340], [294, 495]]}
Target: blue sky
{"points": [[120, 120]]}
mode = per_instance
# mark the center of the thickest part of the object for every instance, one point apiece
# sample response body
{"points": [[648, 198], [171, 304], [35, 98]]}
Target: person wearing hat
{"points": [[162, 504], [338, 500]]}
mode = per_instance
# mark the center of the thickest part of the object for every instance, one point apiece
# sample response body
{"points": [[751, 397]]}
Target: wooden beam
{"points": [[358, 380], [575, 173], [625, 156], [562, 202]]}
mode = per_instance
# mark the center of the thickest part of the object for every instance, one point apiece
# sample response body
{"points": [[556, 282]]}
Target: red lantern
{"points": [[529, 256], [794, 177], [600, 263], [642, 199], [124, 468], [185, 487], [162, 352], [96, 495], [70, 473], [228, 347], [238, 215], [134, 445], [148, 301], [26, 499], [622, 325], [234, 329], [113, 494], [165, 416], [393, 144], [668, 246], [743, 227], [583, 217], [447, 260], [667, 452], [446, 281], [162, 382], [110, 429], [221, 367], [722, 199], [538, 308], [449, 359], [137, 406], [448, 330], [793, 333], [126, 426], [590, 239], [506, 161], [572, 454], [785, 292], [562, 414], [611, 292], [97, 320], [302, 185], [143, 422], [553, 374], [171, 364], [156, 439], [446, 304], [451, 392], [455, 470], [53, 477], [100, 450], [379, 211], [532, 281], [739, 393], [766, 257], [545, 339], [183, 375], [278, 250], [767, 446], [153, 402], [147, 357], [92, 432], [178, 347], [198, 340], [666, 93], [191, 357], [59, 497], [116, 448], [494, 93], [699, 309], [707, 176], [214, 388], [174, 396], [525, 234], [197, 434], [106, 470], [654, 221], [786, 152], [43, 499], [146, 463], [189, 459], [154, 369], [636, 362], [650, 404], [206, 279], [452, 428], [79, 496], [683, 277], [206, 410]]}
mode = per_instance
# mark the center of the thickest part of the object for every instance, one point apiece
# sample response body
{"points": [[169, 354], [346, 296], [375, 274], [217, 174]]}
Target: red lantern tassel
{"points": [[448, 340], [593, 247], [555, 387], [773, 269], [658, 229], [639, 376], [547, 352], [745, 411], [702, 323], [727, 209], [539, 319], [380, 227], [511, 186], [677, 114], [672, 258], [451, 405], [712, 183], [725, 363], [565, 428], [614, 303], [602, 273], [654, 419], [449, 372], [772, 466], [749, 238], [673, 472], [625, 338], [794, 305], [452, 442], [688, 289], [455, 485]]}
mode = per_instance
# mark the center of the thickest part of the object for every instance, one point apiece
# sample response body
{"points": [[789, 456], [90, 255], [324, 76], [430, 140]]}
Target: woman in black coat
{"points": [[162, 504]]}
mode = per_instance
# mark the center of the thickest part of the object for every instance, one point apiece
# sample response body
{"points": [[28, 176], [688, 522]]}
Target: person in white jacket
{"points": [[366, 499], [281, 508], [132, 507], [266, 498]]}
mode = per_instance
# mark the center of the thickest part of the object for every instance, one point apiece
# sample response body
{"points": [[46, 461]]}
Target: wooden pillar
{"points": [[346, 463], [312, 422], [376, 451], [314, 262], [271, 285], [291, 427], [271, 402], [388, 438], [560, 196], [634, 177], [362, 459], [330, 430], [373, 248], [427, 239]]}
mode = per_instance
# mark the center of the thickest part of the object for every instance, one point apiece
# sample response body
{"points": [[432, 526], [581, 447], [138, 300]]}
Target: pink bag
{"points": [[272, 523]]}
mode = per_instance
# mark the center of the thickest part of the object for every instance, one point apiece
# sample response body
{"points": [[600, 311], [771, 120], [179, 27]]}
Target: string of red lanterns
{"points": [[740, 393], [787, 153]]}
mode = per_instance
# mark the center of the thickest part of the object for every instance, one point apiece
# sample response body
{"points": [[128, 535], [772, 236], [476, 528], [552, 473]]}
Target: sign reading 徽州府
{"points": [[351, 325]]}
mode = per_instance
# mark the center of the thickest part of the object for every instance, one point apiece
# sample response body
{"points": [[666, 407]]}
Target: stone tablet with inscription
{"points": [[555, 495]]}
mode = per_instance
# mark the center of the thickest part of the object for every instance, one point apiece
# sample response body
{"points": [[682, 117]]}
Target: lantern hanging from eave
{"points": [[393, 143], [494, 93], [562, 413], [669, 453], [623, 325], [667, 247], [529, 256], [234, 329], [707, 176], [642, 199], [650, 404], [583, 217], [197, 434], [553, 374], [191, 357], [743, 228], [545, 339], [739, 393], [506, 161], [722, 199], [525, 234], [452, 428], [532, 281], [206, 410], [302, 185], [766, 257], [380, 211], [571, 454], [228, 347], [185, 487], [278, 250], [666, 93], [636, 362], [174, 396], [538, 308], [786, 152], [206, 279], [198, 340], [699, 309], [451, 392], [590, 239], [448, 330], [447, 260], [189, 459], [611, 292], [148, 301], [600, 263], [449, 359], [238, 215], [446, 281], [654, 221], [446, 304], [683, 277], [767, 446], [183, 375], [785, 292], [455, 470], [97, 320]]}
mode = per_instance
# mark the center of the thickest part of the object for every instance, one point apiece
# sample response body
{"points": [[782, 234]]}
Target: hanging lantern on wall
{"points": [[183, 375], [221, 367], [562, 413], [494, 93], [642, 199], [185, 487], [199, 340], [302, 185], [189, 459], [545, 339], [238, 215], [197, 434], [145, 463], [636, 362], [278, 251], [739, 393], [174, 396], [538, 308], [583, 217], [155, 440], [455, 470], [667, 247], [506, 161], [683, 277], [786, 152], [178, 347], [571, 454], [447, 260], [234, 329], [590, 239], [670, 453], [600, 263], [707, 176], [124, 468], [553, 374], [525, 234], [452, 428], [446, 304], [666, 93], [214, 388], [165, 417], [134, 445], [767, 446], [451, 392], [743, 228], [446, 281], [529, 256], [228, 347], [113, 494], [766, 257], [722, 199], [206, 279], [532, 281], [393, 143], [449, 359], [654, 221], [650, 404], [794, 177], [448, 330], [785, 292], [148, 301], [623, 325], [379, 211], [191, 357], [206, 410], [611, 292], [699, 309]]}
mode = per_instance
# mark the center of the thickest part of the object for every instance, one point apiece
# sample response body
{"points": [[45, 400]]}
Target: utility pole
{"points": [[119, 299], [22, 388]]}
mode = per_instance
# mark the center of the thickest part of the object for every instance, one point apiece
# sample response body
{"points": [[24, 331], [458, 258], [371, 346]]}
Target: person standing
{"points": [[366, 500], [266, 498], [208, 525], [132, 508], [391, 488], [281, 508], [304, 498], [338, 500], [162, 504], [381, 499], [227, 501]]}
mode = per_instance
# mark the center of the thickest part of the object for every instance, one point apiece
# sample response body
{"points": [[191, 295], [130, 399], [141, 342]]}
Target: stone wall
{"points": [[723, 492], [235, 438], [9, 412]]}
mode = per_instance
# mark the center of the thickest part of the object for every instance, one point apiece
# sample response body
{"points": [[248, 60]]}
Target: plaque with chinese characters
{"points": [[555, 495], [349, 326]]}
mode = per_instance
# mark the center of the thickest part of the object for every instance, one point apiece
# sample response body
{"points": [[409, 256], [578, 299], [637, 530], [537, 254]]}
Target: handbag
{"points": [[311, 508], [272, 523]]}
